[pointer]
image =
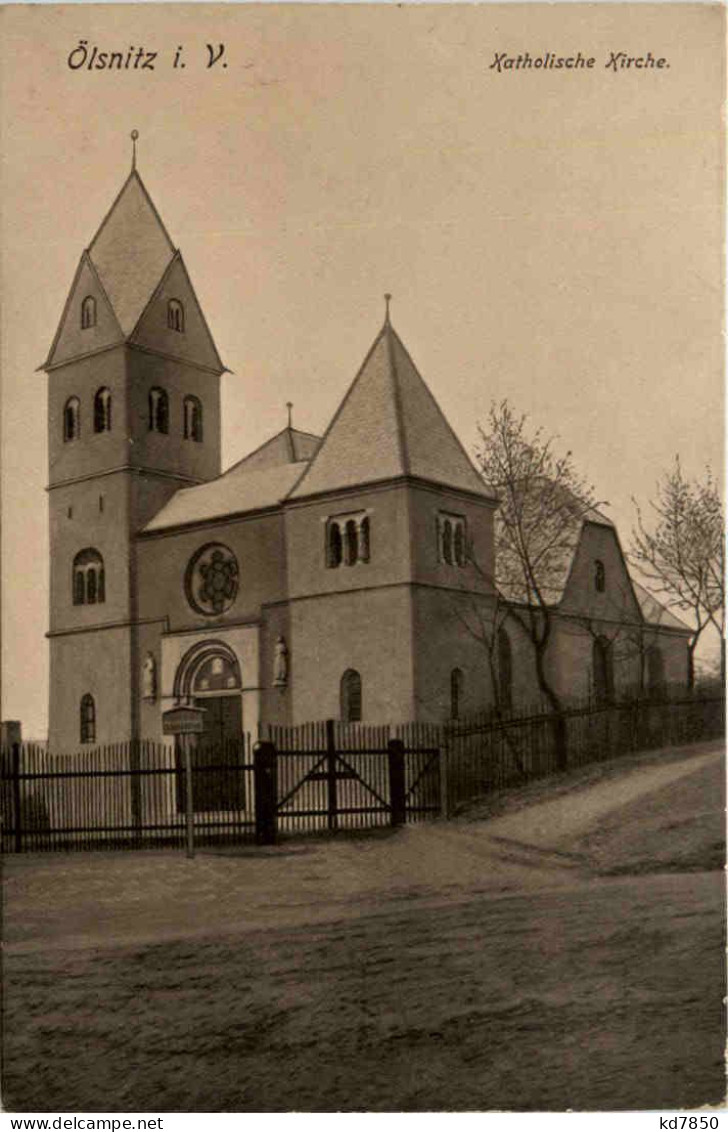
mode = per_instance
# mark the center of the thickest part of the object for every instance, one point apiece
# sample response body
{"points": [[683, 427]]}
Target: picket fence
{"points": [[316, 778]]}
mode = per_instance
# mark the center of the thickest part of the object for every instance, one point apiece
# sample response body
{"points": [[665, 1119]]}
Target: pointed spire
{"points": [[389, 410], [134, 135], [387, 301]]}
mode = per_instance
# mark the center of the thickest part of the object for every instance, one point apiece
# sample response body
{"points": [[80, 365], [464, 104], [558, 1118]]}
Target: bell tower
{"points": [[133, 415]]}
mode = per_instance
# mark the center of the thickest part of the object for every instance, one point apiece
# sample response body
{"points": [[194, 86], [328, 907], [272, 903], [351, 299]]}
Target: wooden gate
{"points": [[332, 776]]}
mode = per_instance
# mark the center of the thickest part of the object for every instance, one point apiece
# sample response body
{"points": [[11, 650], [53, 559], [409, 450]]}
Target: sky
{"points": [[554, 237]]}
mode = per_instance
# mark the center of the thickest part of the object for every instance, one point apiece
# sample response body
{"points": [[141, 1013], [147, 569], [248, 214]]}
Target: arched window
{"points": [[351, 696], [459, 545], [505, 670], [351, 539], [452, 546], [334, 548], [89, 586], [102, 410], [447, 542], [216, 674], [602, 664], [600, 576], [88, 719], [158, 410], [72, 419], [88, 312], [192, 418], [655, 671], [175, 315], [364, 539], [457, 687]]}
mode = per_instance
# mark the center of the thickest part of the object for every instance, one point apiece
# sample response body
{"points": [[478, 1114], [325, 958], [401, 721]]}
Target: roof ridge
{"points": [[397, 394], [312, 463], [446, 422], [271, 440]]}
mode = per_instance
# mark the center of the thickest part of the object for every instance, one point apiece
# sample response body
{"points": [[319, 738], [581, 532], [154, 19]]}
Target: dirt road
{"points": [[566, 953]]}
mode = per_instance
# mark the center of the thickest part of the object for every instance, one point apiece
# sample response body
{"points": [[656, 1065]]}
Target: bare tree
{"points": [[681, 551], [543, 501]]}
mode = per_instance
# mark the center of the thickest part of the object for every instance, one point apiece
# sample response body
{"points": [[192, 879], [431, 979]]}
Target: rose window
{"points": [[212, 579]]}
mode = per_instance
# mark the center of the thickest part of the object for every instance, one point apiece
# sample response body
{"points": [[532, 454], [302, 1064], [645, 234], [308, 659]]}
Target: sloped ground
{"points": [[557, 947]]}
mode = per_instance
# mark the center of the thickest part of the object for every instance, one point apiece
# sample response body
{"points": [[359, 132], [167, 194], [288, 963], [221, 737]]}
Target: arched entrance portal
{"points": [[209, 677]]}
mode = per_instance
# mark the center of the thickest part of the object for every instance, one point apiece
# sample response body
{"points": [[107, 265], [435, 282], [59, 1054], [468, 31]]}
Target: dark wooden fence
{"points": [[491, 753], [313, 778]]}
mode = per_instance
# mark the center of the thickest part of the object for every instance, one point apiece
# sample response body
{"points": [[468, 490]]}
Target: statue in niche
{"points": [[149, 678], [280, 663]]}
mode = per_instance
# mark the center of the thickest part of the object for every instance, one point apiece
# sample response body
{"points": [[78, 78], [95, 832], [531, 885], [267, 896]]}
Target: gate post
{"points": [[442, 757], [332, 800], [397, 800], [189, 802], [265, 762], [17, 807]]}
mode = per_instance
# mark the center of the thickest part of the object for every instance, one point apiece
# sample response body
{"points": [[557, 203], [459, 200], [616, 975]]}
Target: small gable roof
{"points": [[258, 481], [655, 613], [561, 556], [290, 445], [389, 425]]}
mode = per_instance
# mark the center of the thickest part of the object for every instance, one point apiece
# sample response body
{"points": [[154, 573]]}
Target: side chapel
{"points": [[317, 577]]}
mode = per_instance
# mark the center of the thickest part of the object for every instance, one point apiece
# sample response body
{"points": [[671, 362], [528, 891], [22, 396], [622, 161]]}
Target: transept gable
{"points": [[598, 584]]}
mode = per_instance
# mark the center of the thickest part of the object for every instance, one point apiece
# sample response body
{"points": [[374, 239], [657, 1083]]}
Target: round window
{"points": [[211, 582]]}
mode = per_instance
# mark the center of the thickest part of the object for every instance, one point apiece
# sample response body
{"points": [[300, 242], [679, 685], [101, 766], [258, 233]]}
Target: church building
{"points": [[318, 577]]}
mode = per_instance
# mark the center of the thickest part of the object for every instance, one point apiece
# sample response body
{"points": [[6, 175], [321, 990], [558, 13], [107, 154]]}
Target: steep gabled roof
{"points": [[131, 251], [389, 425], [128, 268]]}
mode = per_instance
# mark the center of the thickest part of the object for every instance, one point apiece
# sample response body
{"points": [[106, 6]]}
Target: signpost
{"points": [[183, 721]]}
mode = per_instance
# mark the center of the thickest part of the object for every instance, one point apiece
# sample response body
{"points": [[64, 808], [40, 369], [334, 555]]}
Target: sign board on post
{"points": [[183, 720], [186, 720]]}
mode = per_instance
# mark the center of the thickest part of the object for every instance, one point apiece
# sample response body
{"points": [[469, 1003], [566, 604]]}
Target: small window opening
{"points": [[102, 411], [192, 419], [351, 700], [352, 542], [71, 419], [88, 719], [335, 547], [88, 312], [175, 316], [158, 411], [88, 578], [600, 576]]}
